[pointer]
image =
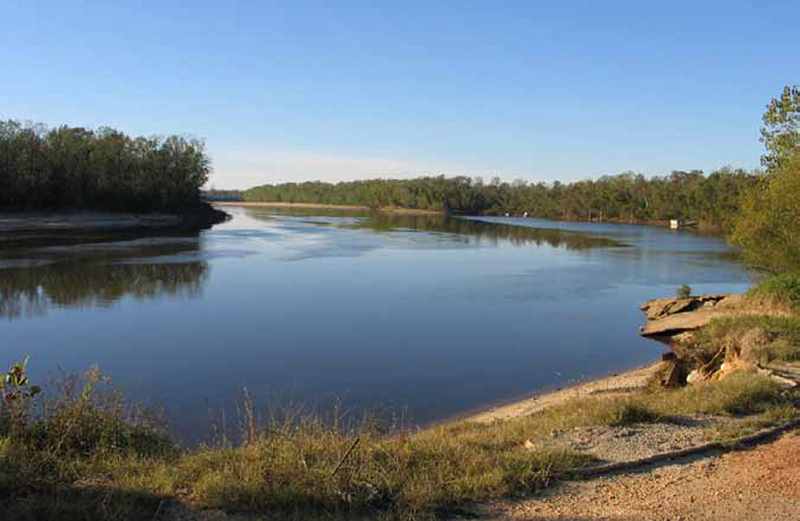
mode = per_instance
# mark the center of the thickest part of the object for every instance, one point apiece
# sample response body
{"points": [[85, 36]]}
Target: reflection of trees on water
{"points": [[436, 223], [30, 291], [97, 272], [482, 230]]}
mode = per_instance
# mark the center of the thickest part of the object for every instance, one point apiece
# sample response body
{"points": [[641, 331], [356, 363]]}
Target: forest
{"points": [[73, 168], [712, 201]]}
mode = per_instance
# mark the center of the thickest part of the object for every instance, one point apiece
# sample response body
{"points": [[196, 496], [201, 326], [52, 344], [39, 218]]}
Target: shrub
{"points": [[684, 291], [784, 289]]}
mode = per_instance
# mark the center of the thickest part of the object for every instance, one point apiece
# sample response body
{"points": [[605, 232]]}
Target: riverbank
{"points": [[202, 216], [701, 228], [388, 209], [616, 384], [87, 456]]}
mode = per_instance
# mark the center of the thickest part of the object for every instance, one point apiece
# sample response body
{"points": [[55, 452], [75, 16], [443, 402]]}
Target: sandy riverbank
{"points": [[405, 211], [615, 384]]}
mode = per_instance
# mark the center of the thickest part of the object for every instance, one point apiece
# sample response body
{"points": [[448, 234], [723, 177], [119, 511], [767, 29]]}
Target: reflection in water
{"points": [[384, 311], [98, 275], [465, 230]]}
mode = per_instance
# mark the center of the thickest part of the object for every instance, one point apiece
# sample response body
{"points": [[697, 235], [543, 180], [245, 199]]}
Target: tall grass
{"points": [[757, 338], [783, 289], [84, 453]]}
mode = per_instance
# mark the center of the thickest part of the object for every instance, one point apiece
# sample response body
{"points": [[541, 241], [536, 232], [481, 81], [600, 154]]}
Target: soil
{"points": [[760, 484], [610, 444]]}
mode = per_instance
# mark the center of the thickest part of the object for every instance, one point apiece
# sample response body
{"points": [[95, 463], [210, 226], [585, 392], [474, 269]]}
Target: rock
{"points": [[674, 324], [782, 381], [659, 308], [731, 301], [674, 375], [694, 376]]}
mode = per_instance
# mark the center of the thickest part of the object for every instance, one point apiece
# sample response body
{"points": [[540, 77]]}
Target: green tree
{"points": [[768, 227], [781, 131]]}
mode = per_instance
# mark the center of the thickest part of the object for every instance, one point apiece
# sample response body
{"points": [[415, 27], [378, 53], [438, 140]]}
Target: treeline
{"points": [[78, 168], [710, 200]]}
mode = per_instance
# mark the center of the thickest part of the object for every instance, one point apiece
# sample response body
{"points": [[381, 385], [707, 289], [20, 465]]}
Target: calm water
{"points": [[425, 316]]}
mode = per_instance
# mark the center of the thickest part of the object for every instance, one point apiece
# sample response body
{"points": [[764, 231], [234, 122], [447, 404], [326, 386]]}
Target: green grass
{"points": [[773, 416], [741, 393], [783, 289]]}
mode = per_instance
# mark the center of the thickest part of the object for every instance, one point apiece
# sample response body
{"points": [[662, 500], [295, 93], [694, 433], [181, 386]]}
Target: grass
{"points": [[757, 337], [86, 455], [82, 453], [741, 393], [773, 416], [782, 289]]}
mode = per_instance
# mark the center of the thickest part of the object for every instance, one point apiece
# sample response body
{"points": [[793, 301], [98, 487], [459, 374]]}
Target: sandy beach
{"points": [[615, 384]]}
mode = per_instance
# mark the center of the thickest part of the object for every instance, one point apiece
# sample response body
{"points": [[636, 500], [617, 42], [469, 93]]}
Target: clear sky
{"points": [[333, 90]]}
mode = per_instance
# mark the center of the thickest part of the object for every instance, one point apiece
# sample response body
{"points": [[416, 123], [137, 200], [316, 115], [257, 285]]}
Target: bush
{"points": [[784, 289], [684, 291], [767, 227]]}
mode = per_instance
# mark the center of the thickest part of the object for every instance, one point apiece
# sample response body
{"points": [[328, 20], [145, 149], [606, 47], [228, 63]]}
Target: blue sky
{"points": [[345, 90]]}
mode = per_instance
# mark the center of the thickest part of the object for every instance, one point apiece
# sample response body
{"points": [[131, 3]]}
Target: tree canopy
{"points": [[781, 131], [768, 227], [78, 168]]}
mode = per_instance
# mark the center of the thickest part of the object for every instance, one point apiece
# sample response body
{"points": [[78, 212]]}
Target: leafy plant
{"points": [[684, 291], [16, 393]]}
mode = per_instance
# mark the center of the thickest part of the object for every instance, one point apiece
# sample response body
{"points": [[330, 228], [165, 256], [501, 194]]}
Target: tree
{"points": [[768, 227], [77, 168], [781, 131]]}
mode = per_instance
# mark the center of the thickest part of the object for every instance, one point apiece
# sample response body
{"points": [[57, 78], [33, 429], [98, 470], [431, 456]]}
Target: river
{"points": [[414, 318]]}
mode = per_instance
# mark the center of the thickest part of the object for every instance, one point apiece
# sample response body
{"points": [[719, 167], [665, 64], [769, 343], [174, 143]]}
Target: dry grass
{"points": [[756, 338], [88, 456]]}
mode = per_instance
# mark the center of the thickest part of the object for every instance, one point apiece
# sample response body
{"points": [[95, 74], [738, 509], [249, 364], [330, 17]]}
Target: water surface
{"points": [[423, 316]]}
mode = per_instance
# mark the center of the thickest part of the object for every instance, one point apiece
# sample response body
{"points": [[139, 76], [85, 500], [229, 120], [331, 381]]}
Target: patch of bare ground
{"points": [[760, 484], [613, 444]]}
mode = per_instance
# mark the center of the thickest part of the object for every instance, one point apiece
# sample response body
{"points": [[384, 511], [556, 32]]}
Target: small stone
{"points": [[694, 376]]}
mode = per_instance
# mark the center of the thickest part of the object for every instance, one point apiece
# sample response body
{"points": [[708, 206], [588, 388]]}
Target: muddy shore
{"points": [[203, 216]]}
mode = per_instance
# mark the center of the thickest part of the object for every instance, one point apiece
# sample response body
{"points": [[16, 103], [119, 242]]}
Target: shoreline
{"points": [[201, 217], [387, 209], [615, 383], [698, 229]]}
